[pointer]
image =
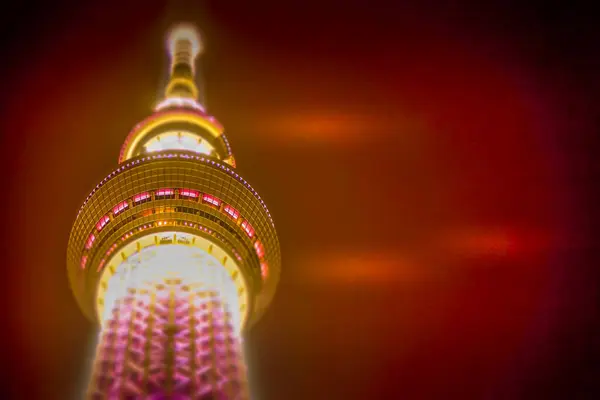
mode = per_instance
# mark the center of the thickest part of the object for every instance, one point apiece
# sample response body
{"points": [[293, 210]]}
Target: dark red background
{"points": [[430, 170]]}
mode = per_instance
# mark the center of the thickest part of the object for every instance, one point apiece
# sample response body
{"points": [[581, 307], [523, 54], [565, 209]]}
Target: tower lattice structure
{"points": [[173, 253]]}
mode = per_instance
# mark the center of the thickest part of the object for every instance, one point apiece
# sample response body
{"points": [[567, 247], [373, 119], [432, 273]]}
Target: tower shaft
{"points": [[164, 340]]}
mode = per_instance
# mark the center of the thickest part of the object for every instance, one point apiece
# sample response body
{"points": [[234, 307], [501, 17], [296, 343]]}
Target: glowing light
{"points": [[138, 134], [184, 33], [179, 102], [264, 270], [189, 193], [248, 228], [84, 261], [120, 207], [212, 200], [103, 221], [165, 192], [90, 241], [140, 197], [232, 212], [260, 250], [179, 140]]}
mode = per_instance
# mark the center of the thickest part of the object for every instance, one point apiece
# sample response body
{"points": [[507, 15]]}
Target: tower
{"points": [[173, 253]]}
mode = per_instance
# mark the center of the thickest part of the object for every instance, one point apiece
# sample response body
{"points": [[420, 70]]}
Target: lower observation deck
{"points": [[174, 191]]}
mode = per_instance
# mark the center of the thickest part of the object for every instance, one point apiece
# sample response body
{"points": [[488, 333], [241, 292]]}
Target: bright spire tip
{"points": [[184, 32]]}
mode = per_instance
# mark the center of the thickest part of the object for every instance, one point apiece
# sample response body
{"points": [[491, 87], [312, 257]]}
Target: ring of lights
{"points": [[125, 221]]}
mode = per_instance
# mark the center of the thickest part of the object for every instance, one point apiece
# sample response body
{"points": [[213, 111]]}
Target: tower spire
{"points": [[184, 46]]}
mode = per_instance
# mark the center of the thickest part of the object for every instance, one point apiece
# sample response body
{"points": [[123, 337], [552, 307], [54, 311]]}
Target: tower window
{"points": [[103, 221], [189, 193], [232, 212], [164, 193], [138, 198], [120, 207], [211, 200], [90, 241], [247, 228]]}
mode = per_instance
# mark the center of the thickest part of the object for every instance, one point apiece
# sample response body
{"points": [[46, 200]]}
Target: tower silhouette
{"points": [[173, 253]]}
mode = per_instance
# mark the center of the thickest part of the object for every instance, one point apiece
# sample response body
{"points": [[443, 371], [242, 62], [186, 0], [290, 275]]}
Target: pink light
{"points": [[248, 228], [90, 241], [83, 261], [212, 200], [235, 214], [264, 269], [103, 221], [141, 196], [189, 193], [260, 250], [120, 207], [165, 192]]}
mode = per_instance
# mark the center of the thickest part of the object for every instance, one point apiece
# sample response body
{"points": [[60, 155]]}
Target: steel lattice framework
{"points": [[173, 253]]}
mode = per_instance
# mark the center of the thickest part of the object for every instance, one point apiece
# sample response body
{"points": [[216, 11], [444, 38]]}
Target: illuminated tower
{"points": [[173, 253]]}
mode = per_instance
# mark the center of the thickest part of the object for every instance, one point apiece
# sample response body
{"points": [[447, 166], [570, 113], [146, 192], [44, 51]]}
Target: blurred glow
{"points": [[179, 141], [260, 250], [183, 33], [139, 132], [179, 102], [364, 267], [192, 265], [264, 270]]}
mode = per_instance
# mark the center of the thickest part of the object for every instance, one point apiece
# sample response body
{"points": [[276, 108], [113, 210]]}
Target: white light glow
{"points": [[179, 141], [194, 266], [179, 102]]}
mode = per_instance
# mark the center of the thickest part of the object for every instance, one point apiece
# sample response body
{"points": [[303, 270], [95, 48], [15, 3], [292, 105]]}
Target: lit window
{"points": [[211, 199], [164, 192], [233, 213], [90, 241], [141, 197], [83, 261], [189, 193], [103, 221], [260, 250], [264, 269], [248, 228], [120, 207]]}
